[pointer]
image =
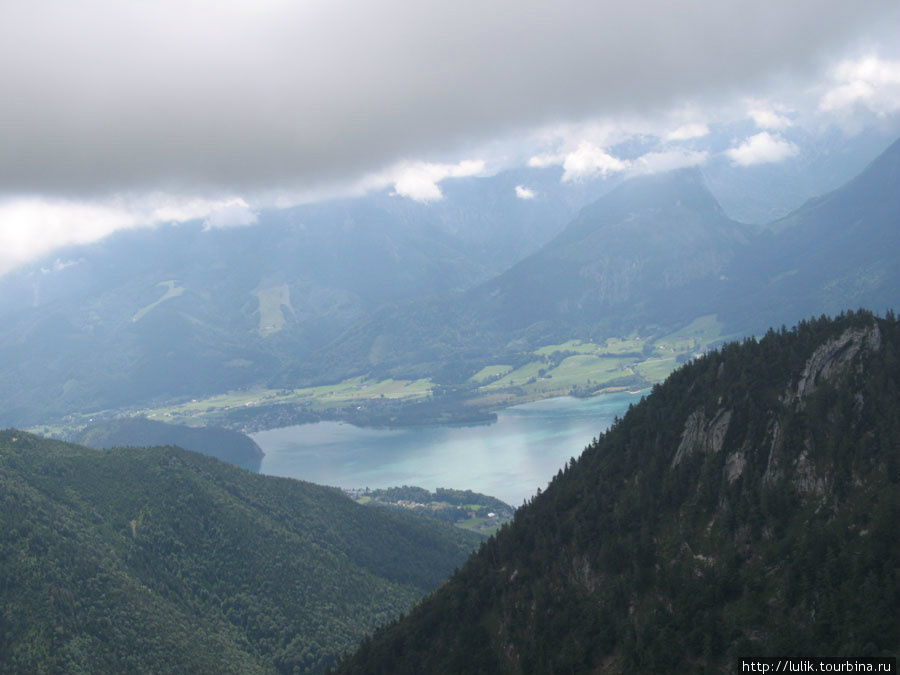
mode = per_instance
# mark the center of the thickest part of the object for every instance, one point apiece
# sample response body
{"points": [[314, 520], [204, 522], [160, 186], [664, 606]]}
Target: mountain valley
{"points": [[745, 506], [646, 259]]}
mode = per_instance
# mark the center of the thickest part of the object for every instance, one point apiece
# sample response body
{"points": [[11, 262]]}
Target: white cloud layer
{"points": [[275, 103], [234, 213], [31, 227], [667, 160], [104, 96], [589, 160], [687, 132], [870, 82], [770, 116], [763, 148], [419, 180], [545, 160]]}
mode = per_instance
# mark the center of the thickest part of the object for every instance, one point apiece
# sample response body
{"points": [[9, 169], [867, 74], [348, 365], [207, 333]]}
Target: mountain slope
{"points": [[183, 311], [162, 560], [386, 286], [839, 250], [655, 253], [747, 507], [648, 237], [187, 310], [649, 252]]}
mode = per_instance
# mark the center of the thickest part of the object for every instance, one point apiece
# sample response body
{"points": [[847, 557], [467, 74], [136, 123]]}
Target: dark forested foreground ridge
{"points": [[162, 560], [748, 507]]}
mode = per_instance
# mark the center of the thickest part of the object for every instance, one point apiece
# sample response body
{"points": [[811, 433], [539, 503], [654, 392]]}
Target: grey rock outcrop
{"points": [[700, 435], [831, 358]]}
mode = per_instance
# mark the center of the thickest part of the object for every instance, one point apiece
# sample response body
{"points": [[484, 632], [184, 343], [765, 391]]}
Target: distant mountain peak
{"points": [[680, 188], [652, 234]]}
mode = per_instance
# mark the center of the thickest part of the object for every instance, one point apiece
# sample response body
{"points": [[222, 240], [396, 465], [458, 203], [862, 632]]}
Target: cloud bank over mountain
{"points": [[106, 96], [118, 115]]}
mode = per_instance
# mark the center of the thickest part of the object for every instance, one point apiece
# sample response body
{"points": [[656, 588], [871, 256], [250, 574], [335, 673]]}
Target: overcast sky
{"points": [[118, 113]]}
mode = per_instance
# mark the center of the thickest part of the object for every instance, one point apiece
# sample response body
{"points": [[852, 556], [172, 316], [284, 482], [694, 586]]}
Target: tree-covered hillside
{"points": [[747, 507], [163, 560]]}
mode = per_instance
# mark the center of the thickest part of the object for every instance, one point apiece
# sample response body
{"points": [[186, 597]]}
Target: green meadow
{"points": [[172, 291], [271, 315]]}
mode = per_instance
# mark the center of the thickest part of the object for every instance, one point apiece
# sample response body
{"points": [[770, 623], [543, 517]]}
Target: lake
{"points": [[508, 459]]}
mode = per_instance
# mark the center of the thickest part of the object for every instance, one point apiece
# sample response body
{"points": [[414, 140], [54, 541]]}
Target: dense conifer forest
{"points": [[163, 560]]}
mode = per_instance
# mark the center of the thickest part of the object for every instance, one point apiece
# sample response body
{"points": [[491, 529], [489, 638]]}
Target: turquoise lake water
{"points": [[508, 459]]}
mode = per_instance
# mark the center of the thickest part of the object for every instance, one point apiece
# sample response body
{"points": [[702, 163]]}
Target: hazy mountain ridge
{"points": [[746, 507], [651, 254], [839, 250], [648, 236], [187, 310], [393, 288], [165, 560], [229, 446], [823, 161], [629, 259]]}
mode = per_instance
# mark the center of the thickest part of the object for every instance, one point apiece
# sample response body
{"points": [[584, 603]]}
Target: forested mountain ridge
{"points": [[163, 560], [747, 507]]}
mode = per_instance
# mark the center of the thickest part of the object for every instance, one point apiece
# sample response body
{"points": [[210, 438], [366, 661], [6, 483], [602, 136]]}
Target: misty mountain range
{"points": [[321, 292]]}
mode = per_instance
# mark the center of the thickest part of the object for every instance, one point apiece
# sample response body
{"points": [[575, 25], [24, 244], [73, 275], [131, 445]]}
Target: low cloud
{"points": [[687, 132], [770, 116], [871, 83], [523, 192], [281, 103], [236, 213], [588, 161], [667, 160], [419, 181], [32, 227], [545, 160], [763, 148]]}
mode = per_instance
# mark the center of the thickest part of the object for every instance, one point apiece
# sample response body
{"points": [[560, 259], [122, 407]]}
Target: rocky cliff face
{"points": [[701, 435], [828, 362], [748, 506], [833, 357]]}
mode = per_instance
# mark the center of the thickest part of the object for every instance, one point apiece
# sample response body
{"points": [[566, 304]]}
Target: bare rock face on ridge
{"points": [[832, 357], [702, 435]]}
